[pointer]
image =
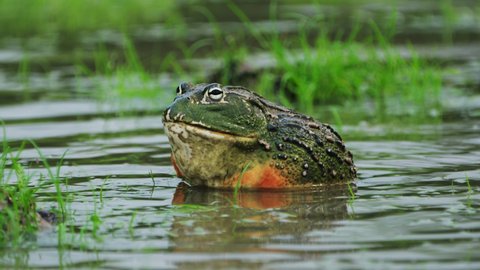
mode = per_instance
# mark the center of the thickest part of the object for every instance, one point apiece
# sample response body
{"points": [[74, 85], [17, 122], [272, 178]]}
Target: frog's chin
{"points": [[186, 130], [203, 156]]}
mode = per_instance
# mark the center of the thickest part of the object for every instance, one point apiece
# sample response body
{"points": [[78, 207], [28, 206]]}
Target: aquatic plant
{"points": [[127, 86], [131, 224], [469, 187], [238, 184], [18, 216], [334, 72]]}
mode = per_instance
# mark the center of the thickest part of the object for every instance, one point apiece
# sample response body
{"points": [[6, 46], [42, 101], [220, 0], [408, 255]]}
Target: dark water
{"points": [[412, 209]]}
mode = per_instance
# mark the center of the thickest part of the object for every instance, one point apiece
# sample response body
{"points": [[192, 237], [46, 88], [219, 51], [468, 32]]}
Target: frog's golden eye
{"points": [[215, 93]]}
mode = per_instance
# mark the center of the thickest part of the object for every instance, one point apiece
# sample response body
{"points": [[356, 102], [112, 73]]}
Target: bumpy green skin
{"points": [[304, 151], [310, 151]]}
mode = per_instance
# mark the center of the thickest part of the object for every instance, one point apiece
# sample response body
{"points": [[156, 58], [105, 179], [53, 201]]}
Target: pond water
{"points": [[416, 203]]}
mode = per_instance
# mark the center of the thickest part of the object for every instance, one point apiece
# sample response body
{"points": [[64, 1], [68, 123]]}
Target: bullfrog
{"points": [[230, 137]]}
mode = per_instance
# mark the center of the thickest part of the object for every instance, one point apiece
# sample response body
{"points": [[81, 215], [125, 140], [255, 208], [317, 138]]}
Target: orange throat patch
{"points": [[261, 176], [175, 166]]}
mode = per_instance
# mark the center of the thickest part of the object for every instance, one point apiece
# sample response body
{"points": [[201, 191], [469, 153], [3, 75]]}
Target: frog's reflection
{"points": [[248, 220]]}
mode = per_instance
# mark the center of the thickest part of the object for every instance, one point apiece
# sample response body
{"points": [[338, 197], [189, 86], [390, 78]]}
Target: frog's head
{"points": [[214, 108]]}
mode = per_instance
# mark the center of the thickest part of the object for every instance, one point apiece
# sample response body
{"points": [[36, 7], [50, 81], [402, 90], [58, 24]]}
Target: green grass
{"points": [[238, 184], [469, 187], [335, 78], [345, 72], [339, 73], [371, 79], [333, 72], [18, 216], [38, 17], [470, 191], [127, 86]]}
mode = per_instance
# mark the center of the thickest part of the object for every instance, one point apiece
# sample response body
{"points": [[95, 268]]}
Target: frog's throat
{"points": [[206, 157], [184, 128]]}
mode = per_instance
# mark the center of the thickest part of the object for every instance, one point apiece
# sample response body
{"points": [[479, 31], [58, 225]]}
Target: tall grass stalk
{"points": [[127, 86], [238, 184], [54, 178]]}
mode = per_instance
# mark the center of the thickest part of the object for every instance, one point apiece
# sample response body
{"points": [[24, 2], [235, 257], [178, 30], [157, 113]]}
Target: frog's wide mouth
{"points": [[185, 129]]}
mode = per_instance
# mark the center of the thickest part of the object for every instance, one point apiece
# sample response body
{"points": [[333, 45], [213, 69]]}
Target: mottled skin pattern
{"points": [[224, 134]]}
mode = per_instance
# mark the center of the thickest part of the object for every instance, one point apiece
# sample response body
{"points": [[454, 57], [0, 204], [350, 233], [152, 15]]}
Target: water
{"points": [[412, 206]]}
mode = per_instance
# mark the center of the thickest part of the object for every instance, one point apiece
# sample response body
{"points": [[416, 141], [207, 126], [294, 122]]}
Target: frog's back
{"points": [[308, 151]]}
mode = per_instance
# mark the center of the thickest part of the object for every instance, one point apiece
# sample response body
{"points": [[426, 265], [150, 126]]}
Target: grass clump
{"points": [[334, 72], [127, 86], [37, 17], [320, 68], [18, 216]]}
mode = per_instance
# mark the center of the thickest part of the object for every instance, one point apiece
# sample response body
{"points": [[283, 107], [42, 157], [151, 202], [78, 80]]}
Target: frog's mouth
{"points": [[185, 130]]}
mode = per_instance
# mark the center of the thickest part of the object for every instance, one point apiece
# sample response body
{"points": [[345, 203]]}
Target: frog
{"points": [[230, 137]]}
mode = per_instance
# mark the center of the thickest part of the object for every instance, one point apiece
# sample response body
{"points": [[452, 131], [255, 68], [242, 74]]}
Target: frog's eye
{"points": [[215, 93], [179, 90], [182, 88]]}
